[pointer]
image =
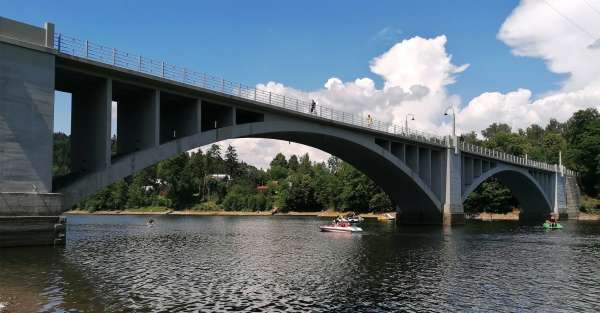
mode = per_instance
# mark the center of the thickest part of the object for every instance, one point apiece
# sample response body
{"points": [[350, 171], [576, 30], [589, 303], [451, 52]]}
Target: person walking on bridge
{"points": [[313, 106], [369, 120]]}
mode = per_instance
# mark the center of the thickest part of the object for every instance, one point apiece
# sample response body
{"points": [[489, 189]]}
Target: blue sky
{"points": [[299, 44]]}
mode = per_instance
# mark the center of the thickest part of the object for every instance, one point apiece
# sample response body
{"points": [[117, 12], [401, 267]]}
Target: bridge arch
{"points": [[401, 183], [532, 197]]}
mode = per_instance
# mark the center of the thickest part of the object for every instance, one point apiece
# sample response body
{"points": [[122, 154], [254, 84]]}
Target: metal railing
{"points": [[513, 159], [135, 62]]}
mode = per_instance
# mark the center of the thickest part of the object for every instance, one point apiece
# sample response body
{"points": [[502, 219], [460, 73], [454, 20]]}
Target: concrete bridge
{"points": [[164, 110]]}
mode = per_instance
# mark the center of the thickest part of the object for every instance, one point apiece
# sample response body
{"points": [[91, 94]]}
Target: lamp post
{"points": [[453, 127], [406, 120]]}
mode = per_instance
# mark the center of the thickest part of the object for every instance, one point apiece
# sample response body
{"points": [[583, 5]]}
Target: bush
{"points": [[208, 206], [590, 205]]}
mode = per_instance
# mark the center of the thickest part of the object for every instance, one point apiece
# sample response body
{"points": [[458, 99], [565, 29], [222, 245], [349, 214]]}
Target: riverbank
{"points": [[164, 211]]}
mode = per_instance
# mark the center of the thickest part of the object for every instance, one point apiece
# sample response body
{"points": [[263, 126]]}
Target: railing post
{"points": [[59, 41], [114, 56], [203, 80], [254, 94], [140, 63], [87, 49], [284, 101], [223, 85], [184, 74], [163, 69], [240, 90], [269, 97]]}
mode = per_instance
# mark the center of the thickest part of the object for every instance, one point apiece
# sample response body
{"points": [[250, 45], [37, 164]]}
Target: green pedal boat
{"points": [[547, 225]]}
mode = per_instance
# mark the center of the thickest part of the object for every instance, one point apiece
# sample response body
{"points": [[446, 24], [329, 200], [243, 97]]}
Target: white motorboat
{"points": [[341, 228]]}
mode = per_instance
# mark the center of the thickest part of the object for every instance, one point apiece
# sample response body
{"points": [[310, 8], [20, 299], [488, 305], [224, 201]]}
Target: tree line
{"points": [[217, 180]]}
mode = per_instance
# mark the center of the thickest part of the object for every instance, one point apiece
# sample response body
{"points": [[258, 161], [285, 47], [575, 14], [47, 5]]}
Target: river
{"points": [[266, 264]]}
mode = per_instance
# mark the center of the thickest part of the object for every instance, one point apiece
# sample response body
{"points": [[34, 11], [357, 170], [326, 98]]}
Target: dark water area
{"points": [[284, 264]]}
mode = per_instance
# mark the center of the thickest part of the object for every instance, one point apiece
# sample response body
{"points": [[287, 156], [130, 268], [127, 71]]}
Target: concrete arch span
{"points": [[417, 202], [535, 204]]}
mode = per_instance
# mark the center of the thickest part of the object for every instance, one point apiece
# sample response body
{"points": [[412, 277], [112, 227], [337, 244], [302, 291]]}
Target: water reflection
{"points": [[117, 264]]}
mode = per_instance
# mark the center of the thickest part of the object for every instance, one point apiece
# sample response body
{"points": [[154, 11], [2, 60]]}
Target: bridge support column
{"points": [[452, 208], [28, 209]]}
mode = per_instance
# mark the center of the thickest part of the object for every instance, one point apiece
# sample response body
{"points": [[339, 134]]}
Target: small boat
{"points": [[353, 218], [386, 217], [342, 227], [547, 225]]}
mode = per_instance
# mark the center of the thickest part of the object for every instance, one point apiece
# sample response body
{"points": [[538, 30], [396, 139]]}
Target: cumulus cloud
{"points": [[417, 71], [540, 30]]}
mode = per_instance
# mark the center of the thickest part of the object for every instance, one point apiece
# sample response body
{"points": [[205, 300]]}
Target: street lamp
{"points": [[451, 107], [406, 120]]}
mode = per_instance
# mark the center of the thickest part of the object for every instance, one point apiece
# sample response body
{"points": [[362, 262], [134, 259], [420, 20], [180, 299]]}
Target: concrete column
{"points": [[90, 127], [477, 167], [412, 158], [398, 150], [425, 165], [136, 118], [436, 173], [453, 212], [156, 130], [468, 169], [485, 166]]}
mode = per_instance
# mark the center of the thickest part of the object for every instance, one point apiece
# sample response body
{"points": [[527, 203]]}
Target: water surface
{"points": [[267, 264]]}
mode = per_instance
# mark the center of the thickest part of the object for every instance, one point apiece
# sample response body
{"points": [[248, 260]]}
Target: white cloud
{"points": [[415, 73], [536, 29]]}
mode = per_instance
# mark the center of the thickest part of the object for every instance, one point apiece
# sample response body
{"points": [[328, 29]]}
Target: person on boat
{"points": [[552, 220]]}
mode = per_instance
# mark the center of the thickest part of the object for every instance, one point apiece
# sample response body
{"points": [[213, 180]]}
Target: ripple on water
{"points": [[224, 264]]}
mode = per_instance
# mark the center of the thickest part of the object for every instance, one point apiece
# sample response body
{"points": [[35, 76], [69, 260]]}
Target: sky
{"points": [[509, 61]]}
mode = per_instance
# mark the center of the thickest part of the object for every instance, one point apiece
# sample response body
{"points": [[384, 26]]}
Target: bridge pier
{"points": [[452, 210], [29, 211]]}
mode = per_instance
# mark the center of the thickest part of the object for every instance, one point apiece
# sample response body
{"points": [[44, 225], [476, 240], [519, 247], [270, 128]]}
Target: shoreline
{"points": [[512, 216], [328, 214]]}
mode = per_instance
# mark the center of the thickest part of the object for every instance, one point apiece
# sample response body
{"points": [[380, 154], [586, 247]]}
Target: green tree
{"points": [[279, 160], [173, 173], [583, 138], [493, 130], [293, 163], [61, 155], [232, 165]]}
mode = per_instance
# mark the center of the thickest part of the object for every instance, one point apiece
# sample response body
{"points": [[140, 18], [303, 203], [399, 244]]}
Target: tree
{"points": [[553, 143], [583, 138], [490, 196], [293, 163], [470, 138], [305, 164], [279, 160], [380, 202], [61, 155], [173, 173], [493, 130], [231, 162]]}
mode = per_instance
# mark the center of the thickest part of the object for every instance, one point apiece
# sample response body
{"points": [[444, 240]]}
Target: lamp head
{"points": [[446, 113], [412, 119]]}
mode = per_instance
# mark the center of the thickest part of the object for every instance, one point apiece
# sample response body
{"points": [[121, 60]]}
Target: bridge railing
{"points": [[138, 63], [510, 158]]}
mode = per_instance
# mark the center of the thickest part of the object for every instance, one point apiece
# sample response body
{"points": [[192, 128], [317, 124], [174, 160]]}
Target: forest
{"points": [[215, 180]]}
